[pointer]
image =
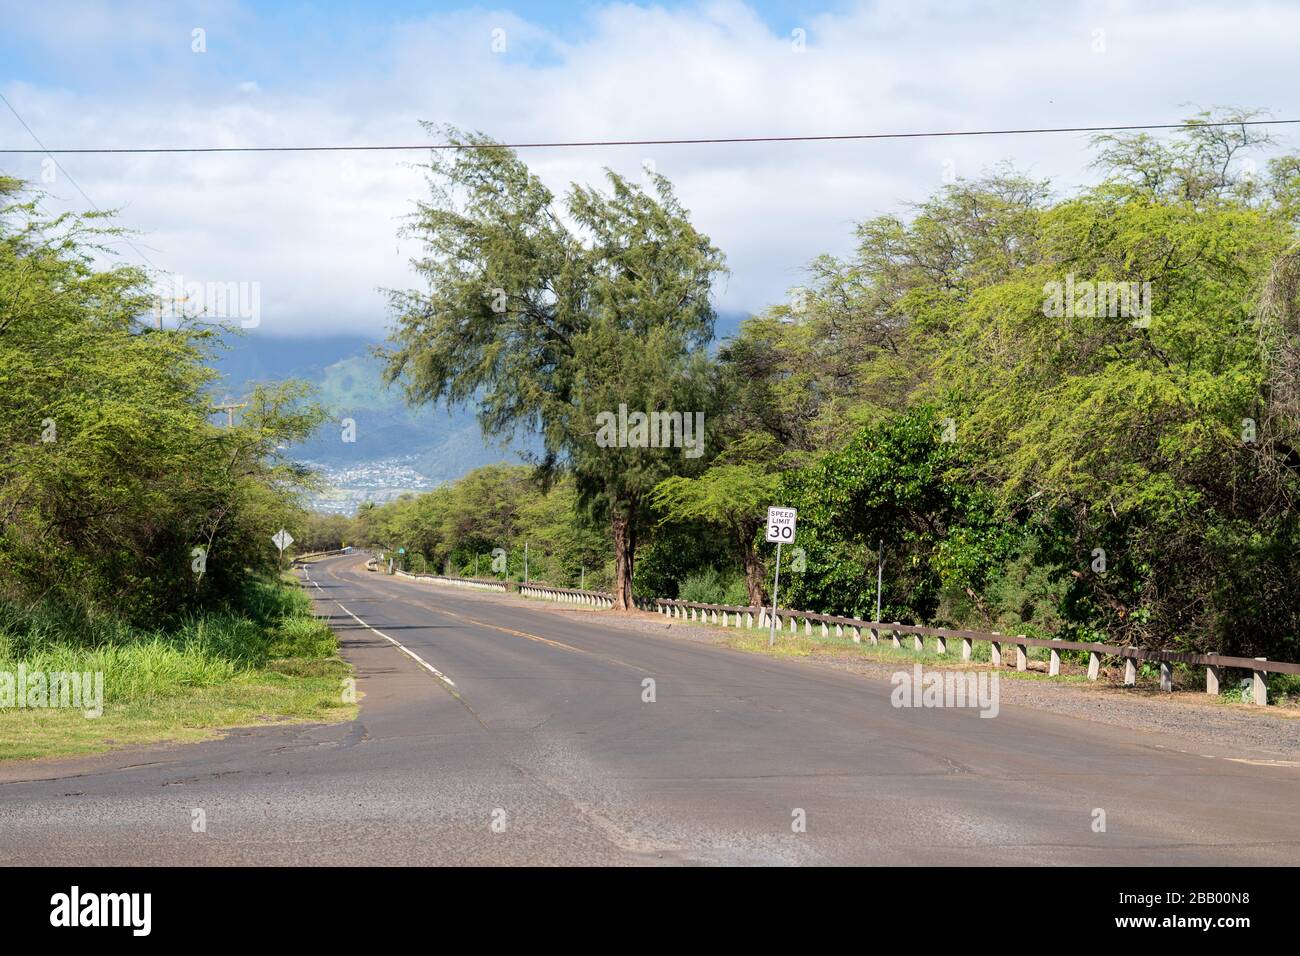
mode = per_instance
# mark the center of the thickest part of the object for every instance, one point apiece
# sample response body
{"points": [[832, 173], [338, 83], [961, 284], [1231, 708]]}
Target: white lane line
{"points": [[397, 644]]}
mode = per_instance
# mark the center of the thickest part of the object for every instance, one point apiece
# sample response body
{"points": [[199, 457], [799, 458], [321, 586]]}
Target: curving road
{"points": [[503, 731]]}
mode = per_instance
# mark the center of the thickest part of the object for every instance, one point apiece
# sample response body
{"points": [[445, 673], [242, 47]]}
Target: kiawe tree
{"points": [[550, 314]]}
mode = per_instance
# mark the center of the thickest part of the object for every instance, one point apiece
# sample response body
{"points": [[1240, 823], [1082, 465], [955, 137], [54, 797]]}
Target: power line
{"points": [[700, 141], [60, 168]]}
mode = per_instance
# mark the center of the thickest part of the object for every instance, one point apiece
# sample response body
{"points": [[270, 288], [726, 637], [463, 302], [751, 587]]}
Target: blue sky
{"points": [[285, 43], [318, 233]]}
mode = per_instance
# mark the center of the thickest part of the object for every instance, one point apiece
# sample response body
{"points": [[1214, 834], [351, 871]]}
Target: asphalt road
{"points": [[520, 735]]}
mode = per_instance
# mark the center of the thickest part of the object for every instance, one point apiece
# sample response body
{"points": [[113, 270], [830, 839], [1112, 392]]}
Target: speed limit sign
{"points": [[780, 525]]}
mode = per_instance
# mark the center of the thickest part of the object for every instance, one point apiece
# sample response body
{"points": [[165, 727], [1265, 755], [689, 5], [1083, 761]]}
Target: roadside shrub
{"points": [[702, 586]]}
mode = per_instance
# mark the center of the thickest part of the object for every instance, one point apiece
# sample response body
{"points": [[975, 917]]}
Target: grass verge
{"points": [[266, 659]]}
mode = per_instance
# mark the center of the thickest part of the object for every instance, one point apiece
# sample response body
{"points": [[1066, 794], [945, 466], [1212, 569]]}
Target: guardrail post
{"points": [[995, 652], [857, 635], [1094, 665], [826, 631], [1022, 659], [1054, 665], [1212, 676], [918, 642], [749, 619], [874, 635], [1259, 689], [1130, 670], [839, 630], [941, 644], [807, 627], [897, 643], [1166, 675], [967, 648], [794, 624]]}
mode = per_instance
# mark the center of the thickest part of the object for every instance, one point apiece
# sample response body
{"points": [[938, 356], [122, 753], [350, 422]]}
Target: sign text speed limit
{"points": [[780, 525]]}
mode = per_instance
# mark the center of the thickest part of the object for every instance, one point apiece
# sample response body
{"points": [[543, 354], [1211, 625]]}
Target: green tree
{"points": [[550, 325], [117, 491], [900, 483], [732, 495]]}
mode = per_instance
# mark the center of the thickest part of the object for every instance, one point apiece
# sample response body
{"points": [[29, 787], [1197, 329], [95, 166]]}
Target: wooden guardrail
{"points": [[787, 620], [1214, 664]]}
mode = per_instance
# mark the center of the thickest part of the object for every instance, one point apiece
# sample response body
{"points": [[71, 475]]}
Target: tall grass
{"points": [[269, 621], [712, 587]]}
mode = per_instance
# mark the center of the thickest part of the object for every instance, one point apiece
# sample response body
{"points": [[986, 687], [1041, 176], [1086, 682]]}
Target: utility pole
{"points": [[583, 585], [158, 307], [229, 409], [525, 562]]}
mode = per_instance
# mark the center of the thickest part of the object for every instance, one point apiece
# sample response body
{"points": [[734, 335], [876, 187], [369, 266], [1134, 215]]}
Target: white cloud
{"points": [[318, 230]]}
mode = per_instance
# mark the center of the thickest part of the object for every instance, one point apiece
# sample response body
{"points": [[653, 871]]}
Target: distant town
{"points": [[379, 481]]}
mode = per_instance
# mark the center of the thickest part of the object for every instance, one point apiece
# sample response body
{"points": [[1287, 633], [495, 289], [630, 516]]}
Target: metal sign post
{"points": [[282, 540], [780, 529], [776, 580]]}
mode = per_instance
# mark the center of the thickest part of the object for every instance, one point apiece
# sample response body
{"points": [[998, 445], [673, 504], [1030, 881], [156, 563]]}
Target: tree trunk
{"points": [[623, 524], [754, 576]]}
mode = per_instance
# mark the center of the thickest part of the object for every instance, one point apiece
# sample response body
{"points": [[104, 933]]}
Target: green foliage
{"points": [[549, 315], [1128, 474], [265, 622], [111, 472], [899, 483], [677, 551], [496, 507], [705, 587], [732, 496]]}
